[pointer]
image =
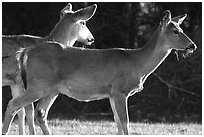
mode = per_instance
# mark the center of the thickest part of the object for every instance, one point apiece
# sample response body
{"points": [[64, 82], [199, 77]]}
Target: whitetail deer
{"points": [[91, 74], [69, 29]]}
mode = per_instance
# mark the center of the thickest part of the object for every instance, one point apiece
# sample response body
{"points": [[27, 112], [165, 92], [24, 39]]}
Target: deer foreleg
{"points": [[119, 107]]}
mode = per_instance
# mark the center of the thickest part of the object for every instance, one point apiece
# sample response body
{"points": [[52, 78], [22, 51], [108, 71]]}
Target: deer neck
{"points": [[62, 34], [152, 55]]}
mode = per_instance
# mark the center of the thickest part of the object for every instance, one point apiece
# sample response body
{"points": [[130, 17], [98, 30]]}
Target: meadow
{"points": [[82, 127]]}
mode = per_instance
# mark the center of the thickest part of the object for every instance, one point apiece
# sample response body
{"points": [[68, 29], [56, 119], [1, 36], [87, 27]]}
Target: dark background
{"points": [[173, 93]]}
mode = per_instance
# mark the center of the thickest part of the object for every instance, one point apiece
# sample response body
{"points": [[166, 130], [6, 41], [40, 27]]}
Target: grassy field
{"points": [[78, 127]]}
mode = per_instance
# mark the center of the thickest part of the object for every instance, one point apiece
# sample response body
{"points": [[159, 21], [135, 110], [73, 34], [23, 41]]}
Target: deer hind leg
{"points": [[17, 91], [119, 107], [29, 110], [21, 121], [42, 110], [16, 104]]}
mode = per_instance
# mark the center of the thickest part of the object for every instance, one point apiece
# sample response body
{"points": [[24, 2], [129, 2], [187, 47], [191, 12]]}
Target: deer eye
{"points": [[176, 32]]}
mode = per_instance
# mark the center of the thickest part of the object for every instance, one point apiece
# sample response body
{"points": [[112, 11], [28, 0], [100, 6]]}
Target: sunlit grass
{"points": [[80, 127]]}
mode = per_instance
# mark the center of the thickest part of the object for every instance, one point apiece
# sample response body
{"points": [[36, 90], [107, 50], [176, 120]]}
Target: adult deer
{"points": [[88, 74], [69, 29]]}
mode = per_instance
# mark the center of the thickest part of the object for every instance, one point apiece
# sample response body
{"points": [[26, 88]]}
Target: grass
{"points": [[80, 127]]}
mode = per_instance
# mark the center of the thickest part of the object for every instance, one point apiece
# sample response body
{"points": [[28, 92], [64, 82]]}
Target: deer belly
{"points": [[84, 92]]}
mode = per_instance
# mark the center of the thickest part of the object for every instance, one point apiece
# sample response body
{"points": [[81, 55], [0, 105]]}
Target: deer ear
{"points": [[86, 13], [179, 19], [67, 9], [166, 17]]}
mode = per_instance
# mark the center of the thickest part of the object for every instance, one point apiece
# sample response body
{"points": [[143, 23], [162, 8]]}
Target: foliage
{"points": [[172, 93]]}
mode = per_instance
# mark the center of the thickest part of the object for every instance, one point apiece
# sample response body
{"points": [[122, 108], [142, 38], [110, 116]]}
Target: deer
{"points": [[93, 74], [71, 28]]}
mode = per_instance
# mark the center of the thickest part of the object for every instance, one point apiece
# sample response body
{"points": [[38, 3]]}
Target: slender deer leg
{"points": [[21, 121], [16, 103], [29, 110], [16, 91], [119, 107], [42, 109]]}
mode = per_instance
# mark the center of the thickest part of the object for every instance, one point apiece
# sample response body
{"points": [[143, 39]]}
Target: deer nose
{"points": [[91, 40], [193, 46]]}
